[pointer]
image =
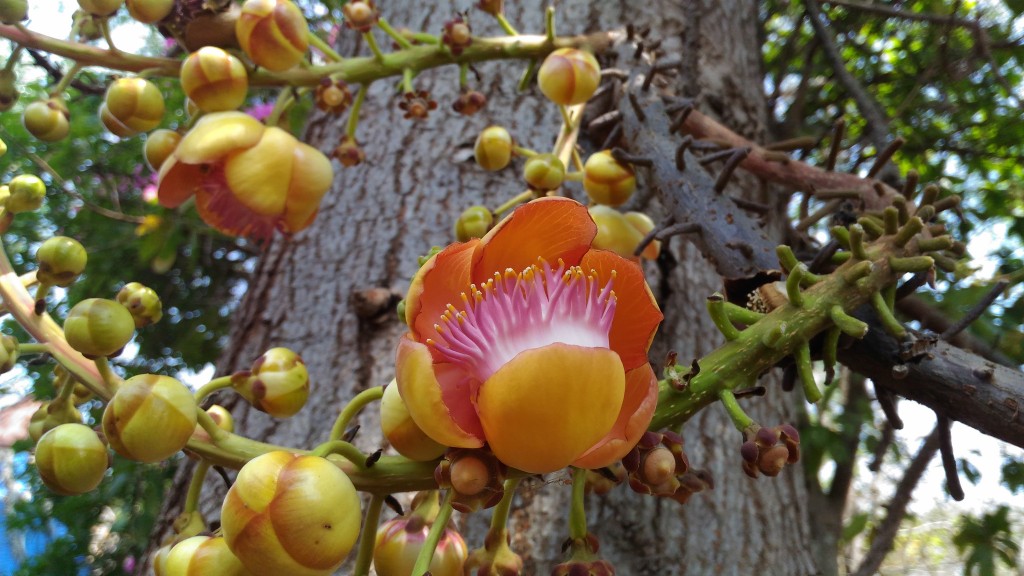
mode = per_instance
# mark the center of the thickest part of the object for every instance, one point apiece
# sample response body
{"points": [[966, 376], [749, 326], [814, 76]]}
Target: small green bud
{"points": [[27, 193], [8, 353], [606, 180], [143, 303], [13, 11], [544, 172], [47, 120], [61, 261], [98, 327], [100, 7], [493, 148], [71, 459], [474, 222]]}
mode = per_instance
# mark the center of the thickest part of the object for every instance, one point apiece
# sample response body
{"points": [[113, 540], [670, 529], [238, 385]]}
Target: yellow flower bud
{"points": [[544, 172], [150, 418], [135, 102], [8, 353], [569, 76], [215, 80], [150, 11], [113, 125], [278, 383], [160, 559], [27, 192], [99, 327], [142, 302], [160, 144], [61, 261], [474, 222], [399, 542], [643, 223], [606, 180], [274, 33], [291, 514], [71, 459], [493, 148], [203, 556], [615, 232], [221, 417], [47, 120], [100, 7], [400, 430]]}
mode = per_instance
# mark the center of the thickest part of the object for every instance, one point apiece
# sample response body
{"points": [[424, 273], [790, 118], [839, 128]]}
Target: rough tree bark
{"points": [[307, 293]]}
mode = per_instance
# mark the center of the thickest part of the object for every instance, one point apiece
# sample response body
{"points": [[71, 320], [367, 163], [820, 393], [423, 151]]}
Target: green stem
{"points": [[343, 449], [324, 47], [368, 536], [740, 314], [524, 152], [889, 322], [505, 25], [577, 510], [857, 242], [433, 537], [463, 75], [796, 297], [374, 47], [524, 80], [105, 29], [739, 418], [407, 76], [65, 386], [212, 386], [716, 309], [195, 487], [12, 60], [515, 201], [398, 38], [829, 351], [109, 378], [353, 114], [216, 433], [65, 81], [549, 23], [499, 518], [281, 105], [805, 369], [848, 324], [33, 348], [353, 407]]}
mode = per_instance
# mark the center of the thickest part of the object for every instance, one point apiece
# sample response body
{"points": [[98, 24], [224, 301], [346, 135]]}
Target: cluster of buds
{"points": [[457, 35], [659, 466], [475, 476], [583, 559], [417, 105], [768, 450]]}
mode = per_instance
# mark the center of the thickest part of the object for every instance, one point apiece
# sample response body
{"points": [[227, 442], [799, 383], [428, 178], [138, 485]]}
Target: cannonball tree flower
{"points": [[532, 342], [248, 179]]}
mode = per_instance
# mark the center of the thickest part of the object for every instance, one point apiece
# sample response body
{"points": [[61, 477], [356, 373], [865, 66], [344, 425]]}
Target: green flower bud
{"points": [[493, 148], [98, 327], [150, 11], [61, 261], [8, 353], [544, 172], [71, 459], [278, 383], [26, 194], [8, 87], [13, 11], [142, 302], [100, 7], [150, 418], [136, 102], [606, 180], [474, 222], [47, 120]]}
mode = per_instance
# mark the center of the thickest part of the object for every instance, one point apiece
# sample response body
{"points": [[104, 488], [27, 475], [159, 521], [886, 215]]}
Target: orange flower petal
{"points": [[438, 283], [258, 176], [635, 416], [177, 182], [547, 406], [636, 312], [549, 228], [311, 178], [438, 400]]}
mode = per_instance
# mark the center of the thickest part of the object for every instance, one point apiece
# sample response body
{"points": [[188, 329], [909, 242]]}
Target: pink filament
{"points": [[513, 312]]}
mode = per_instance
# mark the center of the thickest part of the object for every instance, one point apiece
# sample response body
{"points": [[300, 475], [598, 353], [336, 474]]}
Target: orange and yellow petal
{"points": [[311, 177], [218, 134], [438, 283], [259, 175], [439, 402], [638, 406], [552, 228], [177, 182], [548, 405], [636, 312]]}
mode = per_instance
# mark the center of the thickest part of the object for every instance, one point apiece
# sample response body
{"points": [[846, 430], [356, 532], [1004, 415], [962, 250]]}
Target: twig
{"points": [[956, 491], [975, 312]]}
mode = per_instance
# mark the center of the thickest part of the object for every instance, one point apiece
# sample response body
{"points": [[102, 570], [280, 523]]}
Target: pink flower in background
{"points": [[260, 111]]}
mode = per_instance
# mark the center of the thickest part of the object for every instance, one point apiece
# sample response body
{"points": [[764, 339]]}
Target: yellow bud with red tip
{"points": [[99, 327], [402, 432], [493, 148], [71, 459], [160, 144], [202, 556], [608, 181], [291, 514], [569, 76], [149, 11], [150, 418], [278, 383], [274, 33], [135, 102], [215, 80], [47, 120], [142, 302], [399, 542]]}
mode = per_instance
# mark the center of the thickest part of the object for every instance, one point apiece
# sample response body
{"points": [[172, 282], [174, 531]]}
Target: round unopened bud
{"points": [[493, 148], [457, 35], [474, 222], [608, 181], [100, 7], [469, 475], [47, 120], [221, 417], [9, 92], [8, 353], [160, 144], [160, 559], [142, 302], [349, 152], [113, 125], [135, 102], [149, 11], [659, 465], [291, 514], [13, 11], [99, 327], [273, 33], [61, 261], [399, 542], [402, 432], [333, 96], [278, 383], [614, 231], [643, 224], [27, 192], [360, 15], [773, 460], [569, 76], [71, 459], [215, 80], [150, 418], [544, 172], [202, 556]]}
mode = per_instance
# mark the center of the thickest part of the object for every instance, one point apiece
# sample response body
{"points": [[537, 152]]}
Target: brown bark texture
{"points": [[309, 292]]}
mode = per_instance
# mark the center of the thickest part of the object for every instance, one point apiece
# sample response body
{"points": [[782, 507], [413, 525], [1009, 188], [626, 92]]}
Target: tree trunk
{"points": [[306, 292]]}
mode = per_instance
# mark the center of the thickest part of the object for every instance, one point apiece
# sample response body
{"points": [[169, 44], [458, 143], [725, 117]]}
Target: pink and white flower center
{"points": [[516, 312]]}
